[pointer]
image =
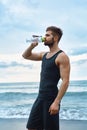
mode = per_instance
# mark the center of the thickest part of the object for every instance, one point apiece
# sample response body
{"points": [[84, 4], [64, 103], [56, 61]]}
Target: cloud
{"points": [[14, 60], [13, 68], [18, 10], [78, 51], [14, 64], [83, 61], [78, 58]]}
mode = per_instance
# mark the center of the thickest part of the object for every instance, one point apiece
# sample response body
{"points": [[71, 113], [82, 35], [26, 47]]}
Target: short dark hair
{"points": [[56, 31]]}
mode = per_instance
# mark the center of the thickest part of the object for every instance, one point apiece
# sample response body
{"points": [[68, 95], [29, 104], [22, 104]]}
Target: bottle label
{"points": [[36, 38]]}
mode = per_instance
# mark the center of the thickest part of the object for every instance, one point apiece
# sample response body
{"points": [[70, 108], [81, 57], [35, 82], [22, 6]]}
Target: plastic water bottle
{"points": [[36, 38]]}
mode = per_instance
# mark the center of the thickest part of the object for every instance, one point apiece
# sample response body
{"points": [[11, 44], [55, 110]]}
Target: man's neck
{"points": [[54, 49]]}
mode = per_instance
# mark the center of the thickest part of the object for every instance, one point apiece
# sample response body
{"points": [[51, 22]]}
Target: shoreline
{"points": [[20, 124]]}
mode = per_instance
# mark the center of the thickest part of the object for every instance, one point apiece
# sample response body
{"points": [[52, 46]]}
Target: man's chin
{"points": [[48, 44]]}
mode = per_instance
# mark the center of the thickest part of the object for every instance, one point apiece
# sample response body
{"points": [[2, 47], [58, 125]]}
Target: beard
{"points": [[50, 43]]}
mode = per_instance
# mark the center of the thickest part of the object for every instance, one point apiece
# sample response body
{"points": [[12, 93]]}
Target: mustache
{"points": [[46, 43]]}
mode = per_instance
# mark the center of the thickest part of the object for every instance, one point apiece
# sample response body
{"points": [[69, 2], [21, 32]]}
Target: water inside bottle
{"points": [[36, 38]]}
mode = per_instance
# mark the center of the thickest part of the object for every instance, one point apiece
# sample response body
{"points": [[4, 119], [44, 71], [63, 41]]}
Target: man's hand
{"points": [[54, 108], [33, 45]]}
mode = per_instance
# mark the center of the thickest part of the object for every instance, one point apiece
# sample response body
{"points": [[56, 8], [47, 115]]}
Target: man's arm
{"points": [[32, 56], [64, 64]]}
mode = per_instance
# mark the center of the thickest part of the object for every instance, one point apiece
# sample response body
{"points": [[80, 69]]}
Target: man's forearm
{"points": [[62, 91], [28, 52]]}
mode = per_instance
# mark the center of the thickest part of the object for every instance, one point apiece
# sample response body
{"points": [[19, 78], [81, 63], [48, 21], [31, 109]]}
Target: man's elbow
{"points": [[66, 82], [24, 56]]}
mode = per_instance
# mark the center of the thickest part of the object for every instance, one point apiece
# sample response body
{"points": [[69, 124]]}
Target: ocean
{"points": [[16, 100]]}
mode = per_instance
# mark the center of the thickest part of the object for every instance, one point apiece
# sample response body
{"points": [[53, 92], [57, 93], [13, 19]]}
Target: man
{"points": [[55, 65]]}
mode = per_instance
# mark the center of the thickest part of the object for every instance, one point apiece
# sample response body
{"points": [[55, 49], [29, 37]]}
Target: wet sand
{"points": [[20, 124]]}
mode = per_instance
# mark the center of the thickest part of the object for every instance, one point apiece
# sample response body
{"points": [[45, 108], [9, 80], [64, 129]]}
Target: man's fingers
{"points": [[52, 112]]}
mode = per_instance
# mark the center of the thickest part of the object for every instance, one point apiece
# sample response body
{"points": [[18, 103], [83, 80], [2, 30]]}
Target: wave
{"points": [[23, 112], [32, 90], [77, 89], [33, 87], [35, 90], [16, 96], [73, 114]]}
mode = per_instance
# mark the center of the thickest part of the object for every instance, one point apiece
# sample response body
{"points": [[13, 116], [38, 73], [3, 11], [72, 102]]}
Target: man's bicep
{"points": [[65, 68], [36, 56]]}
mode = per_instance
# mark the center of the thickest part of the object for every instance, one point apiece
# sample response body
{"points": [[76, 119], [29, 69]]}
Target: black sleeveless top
{"points": [[50, 76]]}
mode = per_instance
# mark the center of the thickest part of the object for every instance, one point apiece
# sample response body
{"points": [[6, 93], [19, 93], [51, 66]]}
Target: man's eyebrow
{"points": [[47, 34]]}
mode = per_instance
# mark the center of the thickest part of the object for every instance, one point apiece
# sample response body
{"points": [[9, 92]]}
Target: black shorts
{"points": [[40, 117]]}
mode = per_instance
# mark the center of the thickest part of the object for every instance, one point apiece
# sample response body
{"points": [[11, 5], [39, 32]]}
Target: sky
{"points": [[21, 19]]}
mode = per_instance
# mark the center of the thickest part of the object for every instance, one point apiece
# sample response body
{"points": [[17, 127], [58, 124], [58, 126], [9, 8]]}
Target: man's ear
{"points": [[56, 38]]}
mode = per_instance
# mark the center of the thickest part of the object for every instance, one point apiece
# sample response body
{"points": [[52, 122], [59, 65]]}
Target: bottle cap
{"points": [[36, 36], [43, 39]]}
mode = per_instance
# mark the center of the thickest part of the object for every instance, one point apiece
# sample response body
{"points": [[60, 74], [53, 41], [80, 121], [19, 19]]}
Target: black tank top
{"points": [[50, 75]]}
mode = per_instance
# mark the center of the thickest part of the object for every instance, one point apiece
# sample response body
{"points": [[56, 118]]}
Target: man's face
{"points": [[49, 39]]}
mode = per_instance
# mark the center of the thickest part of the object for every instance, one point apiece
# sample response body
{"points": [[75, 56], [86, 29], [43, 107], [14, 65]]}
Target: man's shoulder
{"points": [[62, 57], [62, 54]]}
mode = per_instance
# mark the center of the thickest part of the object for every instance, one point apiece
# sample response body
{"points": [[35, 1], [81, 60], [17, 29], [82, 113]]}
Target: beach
{"points": [[20, 124]]}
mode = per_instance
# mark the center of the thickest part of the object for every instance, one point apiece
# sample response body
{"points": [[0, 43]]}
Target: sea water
{"points": [[16, 100]]}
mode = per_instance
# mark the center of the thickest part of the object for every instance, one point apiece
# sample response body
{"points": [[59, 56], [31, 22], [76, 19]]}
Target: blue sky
{"points": [[20, 19]]}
